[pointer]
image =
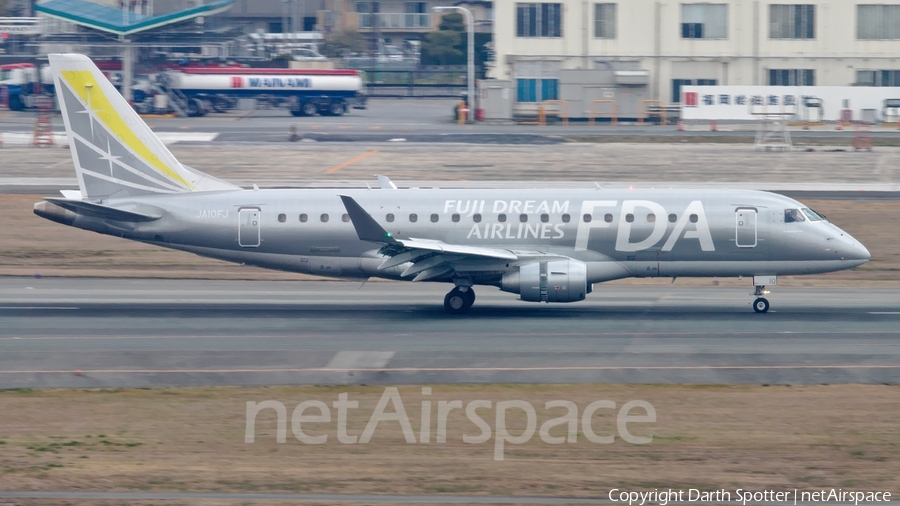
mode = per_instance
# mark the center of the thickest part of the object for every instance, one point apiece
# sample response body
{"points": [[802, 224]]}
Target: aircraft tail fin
{"points": [[114, 151]]}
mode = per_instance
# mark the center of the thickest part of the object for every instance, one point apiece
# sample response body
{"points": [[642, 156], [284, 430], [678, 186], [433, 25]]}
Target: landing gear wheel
{"points": [[761, 305], [470, 297], [459, 300], [455, 302]]}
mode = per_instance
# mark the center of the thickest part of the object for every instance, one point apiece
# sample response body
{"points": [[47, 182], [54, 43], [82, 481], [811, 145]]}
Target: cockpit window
{"points": [[812, 215], [793, 215]]}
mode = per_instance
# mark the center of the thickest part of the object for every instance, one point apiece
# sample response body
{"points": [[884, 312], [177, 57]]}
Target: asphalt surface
{"points": [[431, 121], [141, 333]]}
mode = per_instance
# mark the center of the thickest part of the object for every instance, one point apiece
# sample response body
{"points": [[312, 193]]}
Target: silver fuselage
{"points": [[690, 232]]}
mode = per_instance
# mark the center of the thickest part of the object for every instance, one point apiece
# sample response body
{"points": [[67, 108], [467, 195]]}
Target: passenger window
{"points": [[345, 218], [303, 218], [413, 218], [651, 218], [694, 218], [608, 218], [455, 218], [434, 218], [566, 218], [673, 218], [793, 215], [629, 218], [476, 218], [389, 217], [324, 218], [587, 218], [282, 218], [523, 218], [501, 218], [545, 218]]}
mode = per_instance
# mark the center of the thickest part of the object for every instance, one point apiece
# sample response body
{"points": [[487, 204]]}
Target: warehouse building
{"points": [[676, 43]]}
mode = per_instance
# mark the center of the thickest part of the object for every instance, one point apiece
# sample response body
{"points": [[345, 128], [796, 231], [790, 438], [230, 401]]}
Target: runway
{"points": [[140, 333]]}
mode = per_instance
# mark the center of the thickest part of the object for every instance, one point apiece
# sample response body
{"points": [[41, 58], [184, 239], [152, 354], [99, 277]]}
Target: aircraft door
{"points": [[248, 228], [745, 228]]}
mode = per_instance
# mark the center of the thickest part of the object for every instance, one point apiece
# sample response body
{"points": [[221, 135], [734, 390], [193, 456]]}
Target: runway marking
{"points": [[455, 369], [352, 161]]}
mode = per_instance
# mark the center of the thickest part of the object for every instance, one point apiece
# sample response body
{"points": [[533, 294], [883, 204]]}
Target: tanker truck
{"points": [[305, 92]]}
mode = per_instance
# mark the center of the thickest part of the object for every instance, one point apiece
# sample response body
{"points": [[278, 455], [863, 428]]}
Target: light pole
{"points": [[470, 30]]}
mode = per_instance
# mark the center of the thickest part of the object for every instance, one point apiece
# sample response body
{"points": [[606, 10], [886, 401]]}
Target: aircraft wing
{"points": [[430, 258]]}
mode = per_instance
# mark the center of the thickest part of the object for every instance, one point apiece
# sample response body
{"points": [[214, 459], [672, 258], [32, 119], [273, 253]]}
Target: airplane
{"points": [[544, 245]]}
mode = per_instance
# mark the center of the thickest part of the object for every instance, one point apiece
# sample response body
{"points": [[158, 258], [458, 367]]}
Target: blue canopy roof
{"points": [[119, 22]]}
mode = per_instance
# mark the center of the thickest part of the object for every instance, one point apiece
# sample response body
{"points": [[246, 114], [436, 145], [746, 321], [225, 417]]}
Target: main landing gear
{"points": [[761, 304], [459, 300]]}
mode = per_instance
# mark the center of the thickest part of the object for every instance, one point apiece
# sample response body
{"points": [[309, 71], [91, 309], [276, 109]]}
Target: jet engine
{"points": [[552, 281]]}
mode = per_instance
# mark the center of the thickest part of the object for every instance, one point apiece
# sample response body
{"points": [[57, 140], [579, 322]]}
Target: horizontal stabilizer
{"points": [[386, 183], [104, 212]]}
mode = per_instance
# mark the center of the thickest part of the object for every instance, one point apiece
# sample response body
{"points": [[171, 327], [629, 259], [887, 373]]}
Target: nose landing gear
{"points": [[459, 300], [761, 304]]}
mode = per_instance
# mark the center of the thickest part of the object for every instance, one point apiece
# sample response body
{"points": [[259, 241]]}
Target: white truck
{"points": [[306, 92]]}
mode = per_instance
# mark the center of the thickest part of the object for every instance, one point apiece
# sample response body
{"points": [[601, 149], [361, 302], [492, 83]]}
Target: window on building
{"points": [[536, 81], [678, 83], [605, 21], [792, 77], [792, 21], [877, 78], [878, 22], [539, 20], [415, 8], [704, 21]]}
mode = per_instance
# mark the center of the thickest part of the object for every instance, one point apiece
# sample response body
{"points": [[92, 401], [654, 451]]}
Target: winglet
{"points": [[366, 227]]}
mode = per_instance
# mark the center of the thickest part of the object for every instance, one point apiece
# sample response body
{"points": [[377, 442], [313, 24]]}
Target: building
{"points": [[724, 42]]}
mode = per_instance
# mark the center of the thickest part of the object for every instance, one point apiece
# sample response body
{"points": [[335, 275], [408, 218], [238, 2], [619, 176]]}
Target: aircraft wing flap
{"points": [[458, 249]]}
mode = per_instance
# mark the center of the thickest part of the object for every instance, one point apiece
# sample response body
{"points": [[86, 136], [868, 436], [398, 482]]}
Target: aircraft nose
{"points": [[855, 251]]}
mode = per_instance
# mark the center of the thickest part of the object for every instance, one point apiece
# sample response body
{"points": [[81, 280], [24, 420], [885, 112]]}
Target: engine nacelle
{"points": [[553, 281]]}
